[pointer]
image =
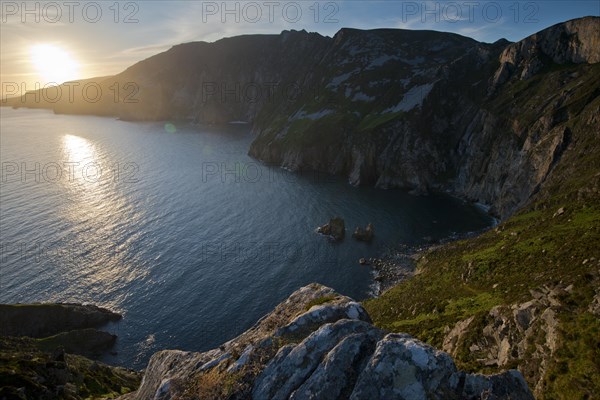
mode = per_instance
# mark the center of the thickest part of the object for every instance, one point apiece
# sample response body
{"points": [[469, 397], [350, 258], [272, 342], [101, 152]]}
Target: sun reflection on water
{"points": [[77, 148], [100, 213]]}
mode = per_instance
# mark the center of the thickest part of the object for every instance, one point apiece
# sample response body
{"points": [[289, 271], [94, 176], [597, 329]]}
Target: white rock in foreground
{"points": [[320, 345]]}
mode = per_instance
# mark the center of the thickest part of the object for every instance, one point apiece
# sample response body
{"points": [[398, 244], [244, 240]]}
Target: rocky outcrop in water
{"points": [[41, 320], [335, 228], [26, 372], [87, 342], [320, 345], [364, 235]]}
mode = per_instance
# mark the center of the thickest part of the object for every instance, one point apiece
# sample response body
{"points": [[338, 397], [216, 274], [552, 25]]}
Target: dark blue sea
{"points": [[176, 227]]}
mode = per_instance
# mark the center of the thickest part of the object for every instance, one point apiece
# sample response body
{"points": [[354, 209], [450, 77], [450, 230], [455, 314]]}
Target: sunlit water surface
{"points": [[182, 232]]}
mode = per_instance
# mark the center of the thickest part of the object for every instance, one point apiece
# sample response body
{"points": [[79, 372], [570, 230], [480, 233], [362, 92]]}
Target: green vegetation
{"points": [[50, 375], [214, 384], [326, 131], [576, 364], [373, 121], [468, 278], [553, 239]]}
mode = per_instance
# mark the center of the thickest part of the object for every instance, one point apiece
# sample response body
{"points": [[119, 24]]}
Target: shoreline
{"points": [[399, 264]]}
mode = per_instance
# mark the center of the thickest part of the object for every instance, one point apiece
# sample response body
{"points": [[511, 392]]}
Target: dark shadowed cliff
{"points": [[421, 110]]}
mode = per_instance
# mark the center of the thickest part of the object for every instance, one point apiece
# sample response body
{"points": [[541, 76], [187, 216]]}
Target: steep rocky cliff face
{"points": [[536, 96], [485, 122], [320, 345], [572, 42], [389, 111], [524, 295], [421, 110]]}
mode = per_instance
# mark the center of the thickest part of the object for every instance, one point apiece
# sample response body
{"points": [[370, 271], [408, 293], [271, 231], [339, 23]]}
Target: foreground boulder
{"points": [[336, 228], [320, 345]]}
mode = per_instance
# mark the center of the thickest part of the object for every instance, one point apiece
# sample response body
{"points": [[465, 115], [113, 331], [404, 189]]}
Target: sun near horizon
{"points": [[53, 64]]}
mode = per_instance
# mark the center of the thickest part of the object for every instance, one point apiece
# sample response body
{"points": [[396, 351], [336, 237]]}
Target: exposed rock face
{"points": [[320, 345], [41, 320], [574, 42], [459, 126], [512, 333], [51, 366], [386, 114], [336, 228]]}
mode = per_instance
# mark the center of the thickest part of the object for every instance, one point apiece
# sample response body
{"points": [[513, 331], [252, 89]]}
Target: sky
{"points": [[46, 41]]}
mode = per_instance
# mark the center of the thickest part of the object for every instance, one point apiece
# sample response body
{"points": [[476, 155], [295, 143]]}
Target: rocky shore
{"points": [[400, 263], [390, 270]]}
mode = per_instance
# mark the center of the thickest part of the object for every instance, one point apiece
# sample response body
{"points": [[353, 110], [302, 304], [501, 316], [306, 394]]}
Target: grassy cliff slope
{"points": [[524, 294]]}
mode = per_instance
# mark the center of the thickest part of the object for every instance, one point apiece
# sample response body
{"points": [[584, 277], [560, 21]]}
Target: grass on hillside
{"points": [[536, 247], [468, 278]]}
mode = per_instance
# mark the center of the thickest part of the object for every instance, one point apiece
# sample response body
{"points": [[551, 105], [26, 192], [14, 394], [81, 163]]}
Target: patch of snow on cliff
{"points": [[355, 50], [440, 46], [338, 80], [379, 83], [379, 61], [414, 61], [413, 98], [362, 97]]}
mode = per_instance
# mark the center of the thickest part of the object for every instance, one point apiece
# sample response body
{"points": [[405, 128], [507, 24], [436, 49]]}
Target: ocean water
{"points": [[174, 226]]}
